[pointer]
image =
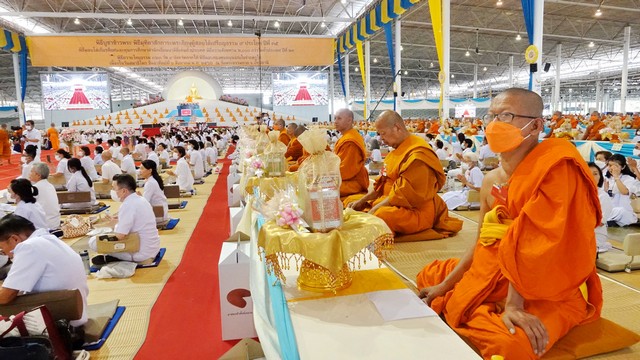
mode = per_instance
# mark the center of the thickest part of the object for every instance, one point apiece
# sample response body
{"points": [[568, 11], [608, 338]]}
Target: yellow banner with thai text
{"points": [[178, 51]]}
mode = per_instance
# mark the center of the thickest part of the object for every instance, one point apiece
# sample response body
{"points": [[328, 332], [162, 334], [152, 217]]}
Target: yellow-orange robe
{"points": [[294, 150], [412, 176], [636, 122], [434, 128], [284, 137], [52, 134], [5, 145], [352, 152], [547, 254], [594, 130]]}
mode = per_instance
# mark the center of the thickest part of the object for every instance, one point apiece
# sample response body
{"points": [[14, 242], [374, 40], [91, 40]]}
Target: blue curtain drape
{"points": [[388, 34], [344, 89], [528, 12]]}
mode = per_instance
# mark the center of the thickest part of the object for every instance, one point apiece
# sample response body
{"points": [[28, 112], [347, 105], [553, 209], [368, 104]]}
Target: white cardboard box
{"points": [[235, 196], [236, 305], [235, 215]]}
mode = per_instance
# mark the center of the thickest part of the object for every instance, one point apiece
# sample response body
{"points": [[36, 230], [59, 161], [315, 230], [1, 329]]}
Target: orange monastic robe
{"points": [[284, 137], [5, 145], [636, 122], [593, 131], [52, 134], [352, 152], [294, 150], [546, 237], [411, 178], [434, 128]]}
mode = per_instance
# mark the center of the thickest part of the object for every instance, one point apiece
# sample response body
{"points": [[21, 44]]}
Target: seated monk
{"points": [[557, 121], [434, 128], [353, 153], [505, 295], [635, 123], [593, 131], [405, 194], [300, 152], [294, 148], [284, 136]]}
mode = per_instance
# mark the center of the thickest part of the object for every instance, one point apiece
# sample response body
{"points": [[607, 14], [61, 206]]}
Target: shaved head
{"points": [[278, 125], [344, 120], [529, 102], [391, 128], [291, 129]]}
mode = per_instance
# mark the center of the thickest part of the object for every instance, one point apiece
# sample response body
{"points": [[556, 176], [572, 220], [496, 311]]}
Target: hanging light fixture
{"points": [[452, 76], [323, 25], [375, 60], [499, 3], [344, 2], [229, 23], [591, 44], [180, 22], [598, 12], [129, 22], [76, 21], [355, 69], [484, 68], [467, 53], [276, 24], [518, 37], [431, 65], [406, 72]]}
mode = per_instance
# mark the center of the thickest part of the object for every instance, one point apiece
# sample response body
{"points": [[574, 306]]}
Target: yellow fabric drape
{"points": [[435, 9], [362, 71], [3, 38], [17, 47], [495, 225]]}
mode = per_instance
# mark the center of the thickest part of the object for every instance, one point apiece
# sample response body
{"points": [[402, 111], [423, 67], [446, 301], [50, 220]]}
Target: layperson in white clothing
{"points": [[163, 154], [183, 172], [27, 159], [471, 179], [140, 149], [97, 157], [485, 153], [47, 197], [602, 236], [211, 155], [79, 182], [153, 188], [619, 183], [135, 216], [376, 155], [127, 165], [62, 156], [109, 168], [33, 136], [84, 154], [41, 263], [151, 153], [440, 151], [195, 159], [24, 193]]}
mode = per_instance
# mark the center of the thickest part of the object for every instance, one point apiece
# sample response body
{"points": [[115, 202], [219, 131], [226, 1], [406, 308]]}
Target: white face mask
{"points": [[464, 166], [58, 157], [23, 159], [28, 128], [601, 164], [636, 152], [114, 196]]}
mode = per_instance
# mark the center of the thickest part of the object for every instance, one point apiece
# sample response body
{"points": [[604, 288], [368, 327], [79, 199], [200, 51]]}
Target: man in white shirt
{"points": [[109, 168], [151, 154], [135, 216], [115, 150], [41, 263], [127, 165], [440, 151], [47, 197], [33, 137], [141, 148], [163, 153]]}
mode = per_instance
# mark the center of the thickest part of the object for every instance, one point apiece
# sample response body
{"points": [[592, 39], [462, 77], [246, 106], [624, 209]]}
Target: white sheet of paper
{"points": [[399, 304]]}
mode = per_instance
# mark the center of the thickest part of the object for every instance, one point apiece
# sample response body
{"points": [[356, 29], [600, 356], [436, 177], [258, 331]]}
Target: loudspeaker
{"points": [[314, 119], [547, 66], [533, 67]]}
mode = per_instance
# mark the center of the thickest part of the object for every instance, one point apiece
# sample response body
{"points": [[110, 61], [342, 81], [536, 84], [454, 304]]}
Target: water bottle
{"points": [[84, 255]]}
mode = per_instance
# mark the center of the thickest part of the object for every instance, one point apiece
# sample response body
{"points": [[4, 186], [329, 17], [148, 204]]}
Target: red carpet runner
{"points": [[185, 320]]}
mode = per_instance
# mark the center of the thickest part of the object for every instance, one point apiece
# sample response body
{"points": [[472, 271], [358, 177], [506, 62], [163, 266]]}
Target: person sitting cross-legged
{"points": [[135, 216]]}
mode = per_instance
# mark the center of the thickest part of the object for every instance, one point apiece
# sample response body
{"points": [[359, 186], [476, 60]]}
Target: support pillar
{"points": [[510, 71], [347, 70], [16, 74], [625, 69], [398, 59], [446, 56], [331, 86], [538, 20], [367, 77], [556, 97], [475, 81]]}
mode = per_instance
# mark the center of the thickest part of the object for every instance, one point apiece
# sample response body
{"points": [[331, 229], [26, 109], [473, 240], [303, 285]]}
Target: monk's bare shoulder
{"points": [[494, 177]]}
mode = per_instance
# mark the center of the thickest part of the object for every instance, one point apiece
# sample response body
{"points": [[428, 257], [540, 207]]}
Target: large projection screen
{"points": [[75, 91], [304, 94]]}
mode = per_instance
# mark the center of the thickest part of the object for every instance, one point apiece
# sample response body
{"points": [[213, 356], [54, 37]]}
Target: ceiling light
{"points": [[431, 65], [76, 21], [229, 23], [129, 22], [276, 24], [598, 12], [546, 90], [355, 69], [323, 25], [344, 2], [570, 90], [484, 68], [591, 44], [467, 53], [452, 76], [518, 37], [375, 60], [180, 22], [406, 72], [499, 3], [401, 47]]}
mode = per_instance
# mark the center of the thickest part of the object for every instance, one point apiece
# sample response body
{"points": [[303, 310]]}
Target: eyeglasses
{"points": [[506, 117]]}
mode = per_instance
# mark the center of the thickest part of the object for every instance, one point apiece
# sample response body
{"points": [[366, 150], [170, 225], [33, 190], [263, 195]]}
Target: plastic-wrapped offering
{"points": [[319, 183], [276, 163]]}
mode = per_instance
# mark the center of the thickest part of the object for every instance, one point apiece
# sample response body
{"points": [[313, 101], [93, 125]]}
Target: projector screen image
{"points": [[75, 91], [300, 89]]}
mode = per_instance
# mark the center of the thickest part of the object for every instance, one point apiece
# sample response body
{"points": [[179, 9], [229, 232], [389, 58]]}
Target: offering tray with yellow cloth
{"points": [[270, 185], [325, 260]]}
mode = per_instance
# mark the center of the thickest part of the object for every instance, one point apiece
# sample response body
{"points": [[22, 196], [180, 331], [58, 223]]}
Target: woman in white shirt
{"points": [[62, 156], [606, 206], [195, 160], [619, 183], [203, 156], [97, 157], [376, 155], [79, 181], [471, 179], [24, 193], [153, 188], [183, 172], [28, 156], [87, 163]]}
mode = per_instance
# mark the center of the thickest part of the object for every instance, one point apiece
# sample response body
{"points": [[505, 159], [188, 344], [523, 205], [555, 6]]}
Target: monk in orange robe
{"points": [[574, 122], [434, 128], [5, 144], [505, 295], [635, 124], [405, 195], [283, 137], [353, 154], [52, 134], [593, 131], [294, 148], [558, 120]]}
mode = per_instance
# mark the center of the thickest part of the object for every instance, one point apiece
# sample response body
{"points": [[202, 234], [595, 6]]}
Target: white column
{"points": [[16, 73], [446, 36], [510, 71], [475, 81], [625, 69], [331, 87], [367, 77], [398, 59], [556, 97], [538, 19], [347, 69], [598, 95]]}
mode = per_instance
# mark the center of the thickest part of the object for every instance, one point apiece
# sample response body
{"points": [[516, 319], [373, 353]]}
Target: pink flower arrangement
{"points": [[289, 214], [69, 135]]}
